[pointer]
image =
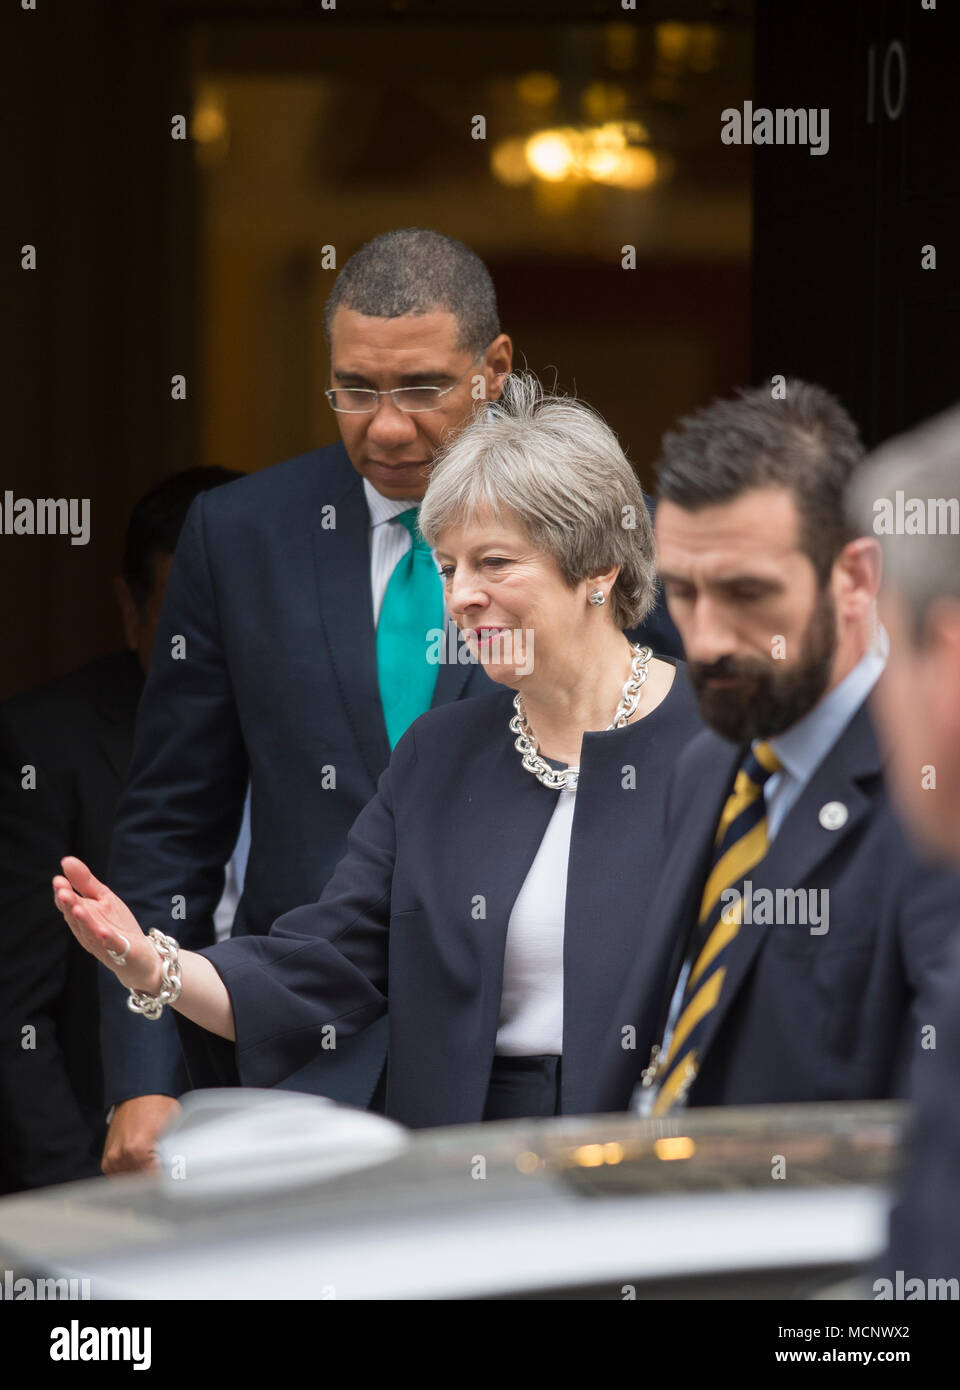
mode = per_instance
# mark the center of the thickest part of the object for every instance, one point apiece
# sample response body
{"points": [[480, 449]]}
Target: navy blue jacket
{"points": [[275, 681], [76, 732], [804, 1017], [415, 916], [925, 1226]]}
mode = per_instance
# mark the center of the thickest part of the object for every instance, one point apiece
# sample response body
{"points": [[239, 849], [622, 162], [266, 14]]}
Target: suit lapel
{"points": [[674, 894], [613, 915], [342, 563], [802, 845], [504, 847], [342, 560], [590, 936], [688, 857]]}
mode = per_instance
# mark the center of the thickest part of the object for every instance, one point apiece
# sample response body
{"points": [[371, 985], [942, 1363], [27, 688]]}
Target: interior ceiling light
{"points": [[613, 154]]}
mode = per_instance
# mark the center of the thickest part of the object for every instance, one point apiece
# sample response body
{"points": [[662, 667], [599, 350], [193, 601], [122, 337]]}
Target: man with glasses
{"points": [[291, 653]]}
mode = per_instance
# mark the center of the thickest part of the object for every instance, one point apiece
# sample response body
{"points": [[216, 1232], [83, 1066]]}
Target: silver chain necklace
{"points": [[526, 744]]}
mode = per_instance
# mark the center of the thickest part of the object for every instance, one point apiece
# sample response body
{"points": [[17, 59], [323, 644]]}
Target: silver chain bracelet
{"points": [[151, 1005]]}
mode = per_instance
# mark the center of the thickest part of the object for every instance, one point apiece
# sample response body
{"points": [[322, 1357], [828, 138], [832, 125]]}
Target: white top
{"points": [[531, 1002]]}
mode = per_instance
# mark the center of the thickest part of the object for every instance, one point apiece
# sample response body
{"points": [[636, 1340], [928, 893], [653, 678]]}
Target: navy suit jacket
{"points": [[415, 916], [264, 668], [76, 732], [804, 1017], [925, 1226]]}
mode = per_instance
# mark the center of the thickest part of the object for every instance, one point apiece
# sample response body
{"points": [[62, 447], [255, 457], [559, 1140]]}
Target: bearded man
{"points": [[799, 933]]}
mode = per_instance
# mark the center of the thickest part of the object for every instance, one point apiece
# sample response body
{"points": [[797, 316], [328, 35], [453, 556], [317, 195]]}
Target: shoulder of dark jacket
{"points": [[111, 684], [283, 489]]}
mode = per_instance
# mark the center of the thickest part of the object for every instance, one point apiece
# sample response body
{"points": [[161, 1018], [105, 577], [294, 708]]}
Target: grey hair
{"points": [[559, 468], [924, 464], [413, 270]]}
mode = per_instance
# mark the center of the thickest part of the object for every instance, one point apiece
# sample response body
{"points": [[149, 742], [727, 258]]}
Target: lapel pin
{"points": [[833, 815]]}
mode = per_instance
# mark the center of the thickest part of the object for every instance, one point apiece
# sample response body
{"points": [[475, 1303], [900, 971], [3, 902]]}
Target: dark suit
{"points": [[77, 733], [277, 683], [432, 870], [925, 1226], [804, 1017]]}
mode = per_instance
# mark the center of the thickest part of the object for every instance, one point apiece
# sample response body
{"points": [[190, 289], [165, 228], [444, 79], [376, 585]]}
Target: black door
{"points": [[856, 279]]}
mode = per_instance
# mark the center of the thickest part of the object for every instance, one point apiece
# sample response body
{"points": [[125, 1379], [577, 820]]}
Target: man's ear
{"points": [[497, 364], [128, 613], [859, 569]]}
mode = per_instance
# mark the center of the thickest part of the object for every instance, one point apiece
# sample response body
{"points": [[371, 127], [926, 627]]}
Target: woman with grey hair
{"points": [[494, 890]]}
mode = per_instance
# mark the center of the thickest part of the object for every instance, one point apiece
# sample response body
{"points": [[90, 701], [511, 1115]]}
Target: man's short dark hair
{"points": [[806, 442], [156, 521], [416, 271]]}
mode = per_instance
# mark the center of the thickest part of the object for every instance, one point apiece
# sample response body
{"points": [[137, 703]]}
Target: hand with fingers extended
{"points": [[106, 927]]}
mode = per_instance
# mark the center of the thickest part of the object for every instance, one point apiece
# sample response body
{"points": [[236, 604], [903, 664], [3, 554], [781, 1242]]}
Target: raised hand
{"points": [[102, 923]]}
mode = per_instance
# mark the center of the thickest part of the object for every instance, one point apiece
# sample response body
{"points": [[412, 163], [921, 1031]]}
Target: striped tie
{"points": [[739, 845]]}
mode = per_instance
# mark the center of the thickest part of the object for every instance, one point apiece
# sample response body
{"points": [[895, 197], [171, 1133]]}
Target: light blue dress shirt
{"points": [[804, 745]]}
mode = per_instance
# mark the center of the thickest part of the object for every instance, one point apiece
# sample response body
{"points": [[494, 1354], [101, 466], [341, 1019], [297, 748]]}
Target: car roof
{"points": [[473, 1211]]}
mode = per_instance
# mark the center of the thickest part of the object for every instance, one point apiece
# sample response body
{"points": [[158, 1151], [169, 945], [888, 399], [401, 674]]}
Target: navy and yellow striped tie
{"points": [[739, 845]]}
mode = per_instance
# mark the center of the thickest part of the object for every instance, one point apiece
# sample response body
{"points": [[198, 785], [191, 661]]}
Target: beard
{"points": [[761, 702]]}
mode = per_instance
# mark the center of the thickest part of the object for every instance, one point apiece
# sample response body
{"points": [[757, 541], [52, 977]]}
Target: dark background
{"points": [[312, 128]]}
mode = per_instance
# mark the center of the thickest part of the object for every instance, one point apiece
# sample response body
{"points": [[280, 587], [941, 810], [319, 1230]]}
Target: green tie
{"points": [[412, 605]]}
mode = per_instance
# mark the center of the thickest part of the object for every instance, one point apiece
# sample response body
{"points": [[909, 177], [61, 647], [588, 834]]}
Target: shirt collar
{"points": [[382, 508], [803, 746]]}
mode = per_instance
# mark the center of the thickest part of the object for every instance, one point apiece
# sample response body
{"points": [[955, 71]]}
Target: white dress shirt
{"points": [[388, 544]]}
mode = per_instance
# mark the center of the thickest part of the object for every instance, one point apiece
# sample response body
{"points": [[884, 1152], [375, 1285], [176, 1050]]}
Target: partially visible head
{"points": [[772, 593], [412, 308], [148, 547], [918, 697], [532, 508]]}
